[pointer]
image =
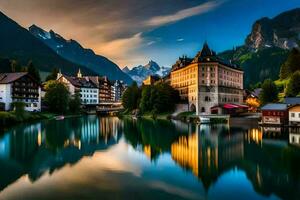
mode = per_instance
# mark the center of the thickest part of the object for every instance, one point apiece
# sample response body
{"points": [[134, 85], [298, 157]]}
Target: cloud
{"points": [[121, 50], [182, 14], [150, 43], [112, 28]]}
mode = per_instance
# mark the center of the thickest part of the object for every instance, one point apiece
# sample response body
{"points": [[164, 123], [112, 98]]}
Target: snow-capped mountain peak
{"points": [[141, 72]]}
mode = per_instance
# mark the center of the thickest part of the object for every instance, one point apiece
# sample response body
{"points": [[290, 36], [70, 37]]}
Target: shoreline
{"points": [[10, 119]]}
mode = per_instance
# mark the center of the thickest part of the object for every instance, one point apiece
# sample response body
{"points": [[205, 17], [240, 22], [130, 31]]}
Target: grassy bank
{"points": [[12, 118]]}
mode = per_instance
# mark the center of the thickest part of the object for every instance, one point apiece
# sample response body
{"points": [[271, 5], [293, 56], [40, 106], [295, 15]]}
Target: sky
{"points": [[132, 32]]}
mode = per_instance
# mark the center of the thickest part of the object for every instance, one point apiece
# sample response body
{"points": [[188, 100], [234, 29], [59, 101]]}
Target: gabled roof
{"points": [[80, 82], [275, 106], [292, 100], [11, 77]]}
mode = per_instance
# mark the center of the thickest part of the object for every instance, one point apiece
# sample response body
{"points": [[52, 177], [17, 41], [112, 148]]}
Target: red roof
{"points": [[230, 106]]}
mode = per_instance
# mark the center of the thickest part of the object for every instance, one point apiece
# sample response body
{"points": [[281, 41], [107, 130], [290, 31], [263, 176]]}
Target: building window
{"points": [[293, 114]]}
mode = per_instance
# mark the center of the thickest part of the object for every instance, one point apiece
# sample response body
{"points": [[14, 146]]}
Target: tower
{"points": [[79, 75]]}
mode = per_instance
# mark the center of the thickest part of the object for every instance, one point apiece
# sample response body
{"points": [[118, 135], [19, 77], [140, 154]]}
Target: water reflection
{"points": [[48, 146], [181, 161]]}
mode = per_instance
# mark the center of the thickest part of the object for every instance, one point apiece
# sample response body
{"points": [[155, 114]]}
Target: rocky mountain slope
{"points": [[267, 46], [73, 51], [141, 72], [19, 44]]}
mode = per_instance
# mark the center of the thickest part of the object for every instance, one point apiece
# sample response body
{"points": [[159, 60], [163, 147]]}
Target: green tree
{"points": [[131, 97], [52, 75], [75, 104], [293, 87], [269, 92], [57, 97], [34, 72], [19, 108], [291, 65], [146, 104], [158, 98]]}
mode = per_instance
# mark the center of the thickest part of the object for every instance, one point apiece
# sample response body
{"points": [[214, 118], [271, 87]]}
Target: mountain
{"points": [[73, 51], [282, 31], [267, 47], [141, 72], [19, 44]]}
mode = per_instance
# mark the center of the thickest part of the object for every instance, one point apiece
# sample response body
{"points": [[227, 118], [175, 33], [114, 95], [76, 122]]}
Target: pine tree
{"points": [[33, 71]]}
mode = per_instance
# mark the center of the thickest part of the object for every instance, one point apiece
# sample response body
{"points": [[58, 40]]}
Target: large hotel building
{"points": [[207, 83]]}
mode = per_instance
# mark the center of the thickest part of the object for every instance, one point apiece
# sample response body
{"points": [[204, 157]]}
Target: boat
{"points": [[61, 117]]}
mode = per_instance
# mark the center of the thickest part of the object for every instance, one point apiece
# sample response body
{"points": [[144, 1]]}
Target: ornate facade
{"points": [[207, 81]]}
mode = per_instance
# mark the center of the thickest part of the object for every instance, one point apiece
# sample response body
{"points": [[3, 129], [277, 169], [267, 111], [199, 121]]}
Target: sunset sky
{"points": [[131, 32]]}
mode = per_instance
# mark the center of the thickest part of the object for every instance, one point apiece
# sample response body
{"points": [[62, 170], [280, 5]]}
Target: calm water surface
{"points": [[107, 158]]}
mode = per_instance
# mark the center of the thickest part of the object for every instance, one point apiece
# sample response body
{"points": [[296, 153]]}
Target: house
{"points": [[275, 114], [84, 86], [20, 87], [294, 114], [207, 81]]}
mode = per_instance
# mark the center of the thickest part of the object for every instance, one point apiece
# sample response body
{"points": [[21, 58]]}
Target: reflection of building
{"points": [[254, 135], [207, 81], [29, 149], [294, 138], [185, 152], [20, 87], [208, 152]]}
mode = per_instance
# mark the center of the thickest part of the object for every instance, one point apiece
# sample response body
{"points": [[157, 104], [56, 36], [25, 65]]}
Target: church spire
{"points": [[79, 75]]}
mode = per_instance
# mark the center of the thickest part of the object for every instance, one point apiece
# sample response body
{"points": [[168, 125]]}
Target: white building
{"points": [[20, 87], [88, 91], [294, 114]]}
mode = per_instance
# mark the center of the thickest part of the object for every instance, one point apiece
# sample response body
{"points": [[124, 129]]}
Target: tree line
{"points": [[289, 75], [154, 99]]}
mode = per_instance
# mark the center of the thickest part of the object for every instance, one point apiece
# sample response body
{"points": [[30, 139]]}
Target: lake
{"points": [[94, 157]]}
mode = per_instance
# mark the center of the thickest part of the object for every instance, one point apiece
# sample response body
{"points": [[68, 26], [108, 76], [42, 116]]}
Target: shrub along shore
{"points": [[12, 118]]}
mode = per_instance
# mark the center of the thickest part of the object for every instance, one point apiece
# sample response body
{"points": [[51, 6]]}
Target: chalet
{"points": [[275, 114], [294, 114], [20, 87]]}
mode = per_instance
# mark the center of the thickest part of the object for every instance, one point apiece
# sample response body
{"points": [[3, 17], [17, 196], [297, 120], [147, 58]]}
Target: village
{"points": [[208, 87]]}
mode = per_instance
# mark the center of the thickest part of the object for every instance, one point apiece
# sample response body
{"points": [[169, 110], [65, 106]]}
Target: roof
{"points": [[275, 106], [292, 100], [206, 55], [81, 82], [11, 77], [256, 92]]}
